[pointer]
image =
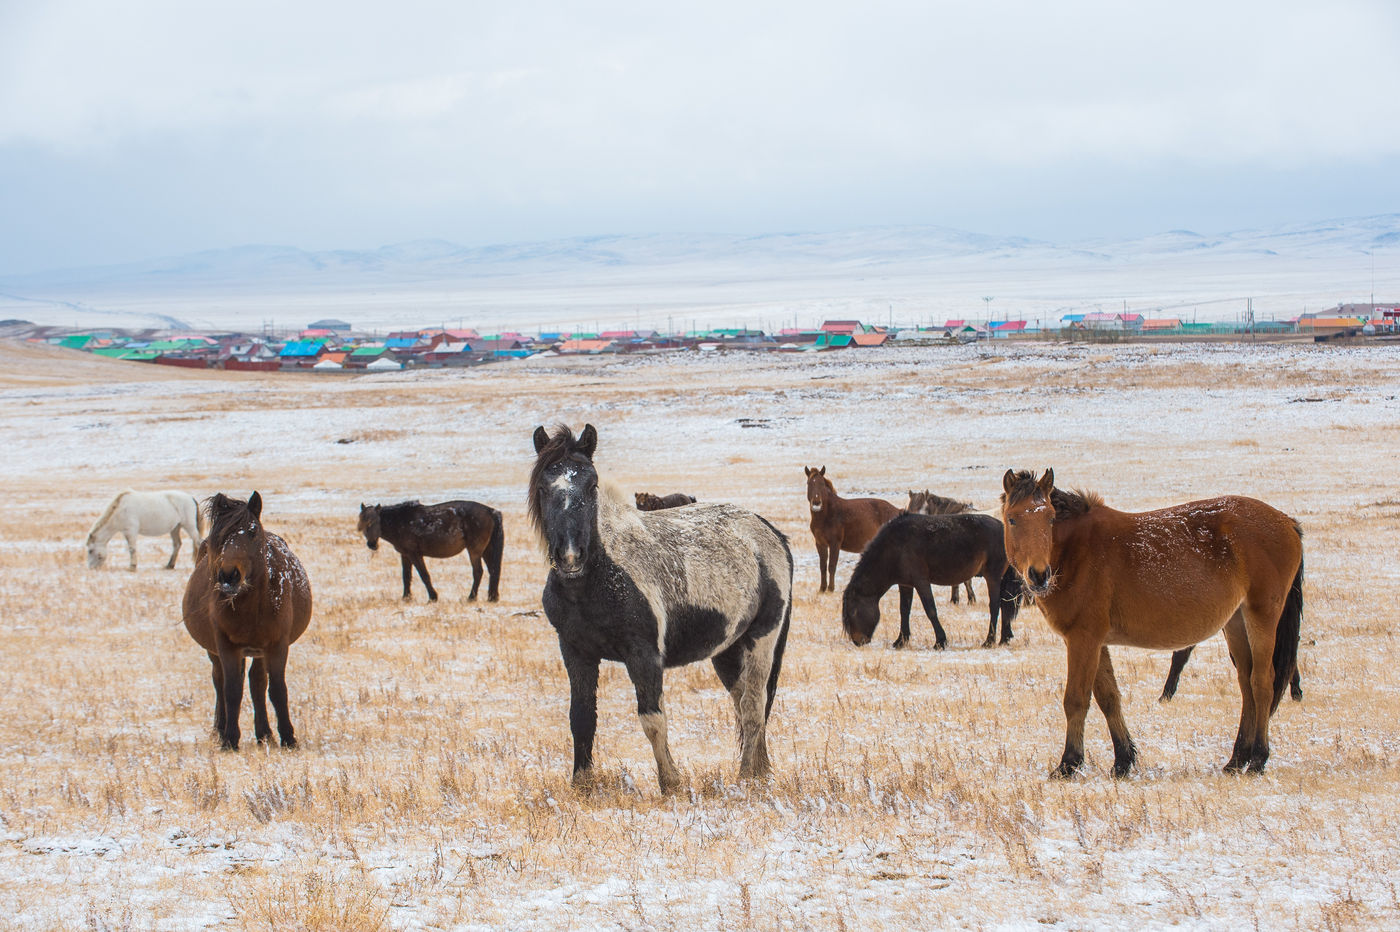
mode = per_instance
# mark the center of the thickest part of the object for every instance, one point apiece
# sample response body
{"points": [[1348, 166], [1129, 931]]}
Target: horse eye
{"points": [[1011, 521]]}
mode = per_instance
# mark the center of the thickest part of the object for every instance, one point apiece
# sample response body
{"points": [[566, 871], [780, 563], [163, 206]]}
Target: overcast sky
{"points": [[140, 129]]}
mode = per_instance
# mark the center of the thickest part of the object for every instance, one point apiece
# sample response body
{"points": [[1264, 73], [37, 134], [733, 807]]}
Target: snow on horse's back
{"points": [[150, 514]]}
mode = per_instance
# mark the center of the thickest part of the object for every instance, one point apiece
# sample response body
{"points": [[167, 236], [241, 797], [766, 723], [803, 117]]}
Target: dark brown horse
{"points": [[914, 552], [1295, 686], [438, 531], [248, 597], [926, 503], [841, 523], [648, 502], [1164, 580]]}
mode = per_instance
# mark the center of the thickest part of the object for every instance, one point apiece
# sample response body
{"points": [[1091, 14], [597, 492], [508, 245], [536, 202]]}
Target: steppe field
{"points": [[431, 786]]}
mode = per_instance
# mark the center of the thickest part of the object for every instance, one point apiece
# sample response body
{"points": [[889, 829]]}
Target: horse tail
{"points": [[496, 545], [107, 514], [1287, 635], [201, 522], [781, 646], [1011, 589]]}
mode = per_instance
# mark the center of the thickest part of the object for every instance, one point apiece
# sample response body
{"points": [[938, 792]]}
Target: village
{"points": [[332, 345]]}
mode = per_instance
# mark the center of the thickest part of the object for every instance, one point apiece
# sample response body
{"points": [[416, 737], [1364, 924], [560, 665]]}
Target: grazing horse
{"points": [[132, 514], [248, 597], [926, 503], [657, 589], [1295, 686], [1164, 580], [917, 551], [438, 531], [648, 502], [840, 523]]}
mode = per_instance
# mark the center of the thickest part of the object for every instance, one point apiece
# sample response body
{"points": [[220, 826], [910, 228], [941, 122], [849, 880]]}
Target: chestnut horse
{"points": [[248, 597], [926, 503], [1164, 580], [841, 523]]}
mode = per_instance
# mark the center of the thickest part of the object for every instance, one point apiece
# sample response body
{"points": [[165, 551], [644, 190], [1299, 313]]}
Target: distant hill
{"points": [[922, 269]]}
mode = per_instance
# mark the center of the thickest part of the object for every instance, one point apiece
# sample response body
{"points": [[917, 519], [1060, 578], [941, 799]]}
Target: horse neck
{"points": [[393, 525]]}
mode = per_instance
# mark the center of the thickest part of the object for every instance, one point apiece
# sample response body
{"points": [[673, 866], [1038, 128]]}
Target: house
{"points": [[449, 354], [588, 347], [1161, 325], [1006, 328], [842, 326], [301, 354], [383, 363], [329, 324], [361, 356], [831, 341], [869, 339]]}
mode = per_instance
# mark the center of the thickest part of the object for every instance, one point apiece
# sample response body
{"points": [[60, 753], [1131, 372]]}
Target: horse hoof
{"points": [[900, 644], [989, 642], [433, 597], [289, 743], [940, 645], [493, 598]]}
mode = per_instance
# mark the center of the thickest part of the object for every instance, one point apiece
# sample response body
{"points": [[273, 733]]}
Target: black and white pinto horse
{"points": [[657, 589]]}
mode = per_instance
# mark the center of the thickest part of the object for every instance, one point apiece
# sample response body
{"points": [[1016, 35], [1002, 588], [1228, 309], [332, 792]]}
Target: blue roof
{"points": [[303, 348], [401, 342]]}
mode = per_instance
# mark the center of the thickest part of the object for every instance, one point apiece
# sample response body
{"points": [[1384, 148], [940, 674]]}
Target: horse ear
{"points": [[807, 471], [1008, 480], [1046, 485], [587, 441], [255, 505], [541, 438], [822, 470]]}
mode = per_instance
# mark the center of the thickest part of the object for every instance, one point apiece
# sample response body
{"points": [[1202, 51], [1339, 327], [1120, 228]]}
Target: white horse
{"points": [[149, 513]]}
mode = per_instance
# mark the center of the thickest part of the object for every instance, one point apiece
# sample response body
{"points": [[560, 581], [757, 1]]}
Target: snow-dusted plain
{"points": [[431, 787], [901, 275]]}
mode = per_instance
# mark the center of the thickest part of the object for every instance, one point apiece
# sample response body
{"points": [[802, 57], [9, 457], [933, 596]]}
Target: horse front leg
{"points": [[821, 562], [993, 607], [583, 710], [407, 562], [423, 575], [131, 548], [646, 674], [231, 673], [220, 713], [175, 547], [276, 661], [257, 691], [906, 602], [1179, 659], [971, 596], [833, 553], [931, 610], [1082, 656], [1111, 704]]}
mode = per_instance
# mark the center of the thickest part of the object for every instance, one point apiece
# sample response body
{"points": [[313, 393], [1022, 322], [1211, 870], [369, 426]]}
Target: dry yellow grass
{"points": [[910, 790]]}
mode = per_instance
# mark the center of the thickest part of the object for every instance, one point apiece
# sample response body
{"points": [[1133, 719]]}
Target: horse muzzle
{"points": [[816, 506], [372, 544], [1038, 582]]}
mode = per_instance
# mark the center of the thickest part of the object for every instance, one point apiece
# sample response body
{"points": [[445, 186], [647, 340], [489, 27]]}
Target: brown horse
{"points": [[841, 523], [438, 531], [1164, 580], [248, 597], [926, 503], [649, 502]]}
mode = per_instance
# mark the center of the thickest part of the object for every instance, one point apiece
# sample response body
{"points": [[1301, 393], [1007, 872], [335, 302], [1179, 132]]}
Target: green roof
{"points": [[369, 350], [114, 352], [76, 341]]}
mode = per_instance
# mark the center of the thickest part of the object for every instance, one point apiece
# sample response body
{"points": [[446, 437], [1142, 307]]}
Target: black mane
{"points": [[225, 515], [401, 508], [562, 445]]}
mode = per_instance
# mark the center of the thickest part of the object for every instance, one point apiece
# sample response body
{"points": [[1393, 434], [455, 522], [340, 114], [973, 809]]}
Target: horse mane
{"points": [[393, 511], [107, 513], [931, 504], [225, 515], [1067, 504], [561, 446]]}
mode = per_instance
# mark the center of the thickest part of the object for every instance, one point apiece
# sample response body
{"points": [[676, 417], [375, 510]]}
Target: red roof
{"points": [[954, 324], [842, 326]]}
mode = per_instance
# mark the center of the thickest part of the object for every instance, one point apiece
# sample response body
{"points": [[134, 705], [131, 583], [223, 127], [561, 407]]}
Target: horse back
{"points": [[941, 550]]}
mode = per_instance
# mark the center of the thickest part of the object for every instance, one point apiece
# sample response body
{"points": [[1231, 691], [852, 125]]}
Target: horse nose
{"points": [[1038, 578], [228, 580], [372, 544]]}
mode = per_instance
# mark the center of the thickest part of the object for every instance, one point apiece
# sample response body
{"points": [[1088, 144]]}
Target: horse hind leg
{"points": [[476, 576], [422, 565], [257, 692], [1110, 702], [745, 669], [175, 547], [971, 595], [1238, 642]]}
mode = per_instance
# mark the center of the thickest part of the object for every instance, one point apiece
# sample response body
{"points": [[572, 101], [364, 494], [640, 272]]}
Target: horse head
{"points": [[369, 525], [564, 497], [819, 488], [1028, 520], [96, 555], [859, 616], [237, 544]]}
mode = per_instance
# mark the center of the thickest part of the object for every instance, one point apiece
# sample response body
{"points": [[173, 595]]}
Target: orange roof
{"points": [[869, 339], [1329, 322], [335, 357]]}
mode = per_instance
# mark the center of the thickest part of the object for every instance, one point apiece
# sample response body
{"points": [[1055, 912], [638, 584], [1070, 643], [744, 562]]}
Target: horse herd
{"points": [[672, 582]]}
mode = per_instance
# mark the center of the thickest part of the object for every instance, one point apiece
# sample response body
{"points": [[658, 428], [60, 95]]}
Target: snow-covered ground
{"points": [[431, 789]]}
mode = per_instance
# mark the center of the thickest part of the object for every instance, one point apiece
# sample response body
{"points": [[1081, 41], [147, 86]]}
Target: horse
{"points": [[1165, 580], [439, 531], [657, 589], [1179, 658], [926, 503], [916, 551], [840, 523], [247, 597], [648, 502], [144, 513]]}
